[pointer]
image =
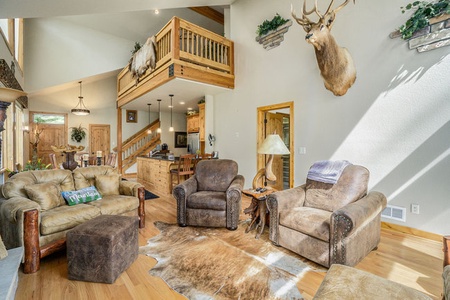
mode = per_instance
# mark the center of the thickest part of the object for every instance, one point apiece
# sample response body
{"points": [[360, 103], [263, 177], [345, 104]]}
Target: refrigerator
{"points": [[193, 142]]}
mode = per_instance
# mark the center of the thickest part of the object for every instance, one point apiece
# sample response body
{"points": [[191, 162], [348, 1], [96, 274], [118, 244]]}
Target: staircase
{"points": [[139, 144]]}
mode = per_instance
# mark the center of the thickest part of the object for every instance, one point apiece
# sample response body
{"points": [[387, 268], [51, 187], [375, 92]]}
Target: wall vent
{"points": [[394, 212]]}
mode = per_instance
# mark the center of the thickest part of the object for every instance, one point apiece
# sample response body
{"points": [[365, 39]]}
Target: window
{"points": [[12, 32]]}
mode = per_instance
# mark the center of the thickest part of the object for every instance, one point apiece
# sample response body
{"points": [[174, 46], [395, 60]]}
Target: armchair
{"points": [[212, 197], [328, 223]]}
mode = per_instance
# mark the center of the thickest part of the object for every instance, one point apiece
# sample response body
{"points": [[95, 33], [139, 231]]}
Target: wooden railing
{"points": [[139, 144], [188, 45]]}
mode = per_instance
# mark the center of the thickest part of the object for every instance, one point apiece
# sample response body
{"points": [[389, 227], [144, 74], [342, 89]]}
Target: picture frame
{"points": [[131, 116], [180, 139]]}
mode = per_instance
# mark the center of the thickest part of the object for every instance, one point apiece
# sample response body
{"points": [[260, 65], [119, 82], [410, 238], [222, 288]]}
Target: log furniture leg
{"points": [[141, 208], [262, 208], [31, 242]]}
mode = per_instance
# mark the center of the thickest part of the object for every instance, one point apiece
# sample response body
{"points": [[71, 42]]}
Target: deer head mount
{"points": [[335, 63]]}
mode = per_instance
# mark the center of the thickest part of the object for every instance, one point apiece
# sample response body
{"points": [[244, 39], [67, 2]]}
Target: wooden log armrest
{"points": [[180, 193], [141, 208]]}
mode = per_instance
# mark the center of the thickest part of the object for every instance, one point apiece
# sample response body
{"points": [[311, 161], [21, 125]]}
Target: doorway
{"points": [[99, 139], [278, 118]]}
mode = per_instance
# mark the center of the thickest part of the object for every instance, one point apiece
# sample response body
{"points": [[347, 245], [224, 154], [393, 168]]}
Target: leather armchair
{"points": [[212, 197], [328, 223]]}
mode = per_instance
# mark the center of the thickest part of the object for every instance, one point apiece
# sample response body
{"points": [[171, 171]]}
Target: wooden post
{"points": [[175, 42], [141, 208], [119, 140], [31, 241]]}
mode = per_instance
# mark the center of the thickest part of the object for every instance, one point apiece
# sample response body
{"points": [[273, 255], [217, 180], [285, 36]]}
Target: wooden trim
{"points": [[412, 231], [446, 240], [210, 13], [53, 247]]}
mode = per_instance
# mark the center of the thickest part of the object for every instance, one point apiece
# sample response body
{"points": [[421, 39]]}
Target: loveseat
{"points": [[33, 214]]}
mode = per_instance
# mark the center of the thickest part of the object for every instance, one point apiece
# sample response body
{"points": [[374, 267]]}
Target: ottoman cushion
{"points": [[99, 250]]}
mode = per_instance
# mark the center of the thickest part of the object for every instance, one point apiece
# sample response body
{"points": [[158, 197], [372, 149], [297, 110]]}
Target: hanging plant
{"points": [[424, 11], [273, 24], [78, 133]]}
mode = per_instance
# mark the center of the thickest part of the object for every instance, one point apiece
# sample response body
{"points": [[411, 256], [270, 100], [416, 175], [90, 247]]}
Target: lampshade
{"points": [[273, 145], [9, 95], [80, 109]]}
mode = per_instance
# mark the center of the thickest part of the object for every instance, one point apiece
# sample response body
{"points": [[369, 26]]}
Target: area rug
{"points": [[213, 263], [149, 195]]}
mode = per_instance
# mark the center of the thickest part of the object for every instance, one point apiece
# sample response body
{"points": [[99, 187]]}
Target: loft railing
{"points": [[182, 42]]}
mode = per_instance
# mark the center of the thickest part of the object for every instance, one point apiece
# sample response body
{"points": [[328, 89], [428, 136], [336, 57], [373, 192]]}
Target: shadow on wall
{"points": [[423, 178]]}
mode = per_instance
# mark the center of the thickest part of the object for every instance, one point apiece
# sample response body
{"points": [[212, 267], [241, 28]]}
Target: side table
{"points": [[257, 209]]}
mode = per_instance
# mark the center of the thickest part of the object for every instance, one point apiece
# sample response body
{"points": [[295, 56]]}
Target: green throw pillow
{"points": [[81, 196]]}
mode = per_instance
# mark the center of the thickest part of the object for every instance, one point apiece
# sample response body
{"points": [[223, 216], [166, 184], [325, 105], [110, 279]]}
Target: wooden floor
{"points": [[403, 258]]}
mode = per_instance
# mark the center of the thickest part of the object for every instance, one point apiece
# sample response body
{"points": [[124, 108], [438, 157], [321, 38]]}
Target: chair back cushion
{"points": [[85, 177], [351, 186], [215, 174]]}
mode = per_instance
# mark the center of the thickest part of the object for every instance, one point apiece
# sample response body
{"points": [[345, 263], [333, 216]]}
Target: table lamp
{"points": [[272, 145]]}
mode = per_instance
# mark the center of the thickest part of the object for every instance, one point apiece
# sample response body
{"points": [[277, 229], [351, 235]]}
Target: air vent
{"points": [[394, 212]]}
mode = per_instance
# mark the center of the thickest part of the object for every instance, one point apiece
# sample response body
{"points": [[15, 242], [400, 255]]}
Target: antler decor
{"points": [[335, 63]]}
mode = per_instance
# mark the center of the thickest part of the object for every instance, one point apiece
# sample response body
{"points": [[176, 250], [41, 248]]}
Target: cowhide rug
{"points": [[215, 263]]}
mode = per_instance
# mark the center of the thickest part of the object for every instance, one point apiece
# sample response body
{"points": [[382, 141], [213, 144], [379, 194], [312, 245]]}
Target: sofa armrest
{"points": [[234, 191], [12, 219], [351, 219], [282, 200], [446, 277], [181, 192], [129, 188], [234, 196]]}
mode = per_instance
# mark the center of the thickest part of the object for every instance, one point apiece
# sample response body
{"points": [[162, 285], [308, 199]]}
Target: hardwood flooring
{"points": [[403, 258]]}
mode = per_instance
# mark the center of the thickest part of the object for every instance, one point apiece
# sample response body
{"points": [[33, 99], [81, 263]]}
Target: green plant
{"points": [[35, 165], [267, 26], [136, 48], [424, 11], [78, 133]]}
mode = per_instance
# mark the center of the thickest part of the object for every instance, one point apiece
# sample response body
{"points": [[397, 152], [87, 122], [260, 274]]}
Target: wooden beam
{"points": [[209, 13]]}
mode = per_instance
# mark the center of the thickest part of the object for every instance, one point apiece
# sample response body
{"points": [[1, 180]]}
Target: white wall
{"points": [[394, 120]]}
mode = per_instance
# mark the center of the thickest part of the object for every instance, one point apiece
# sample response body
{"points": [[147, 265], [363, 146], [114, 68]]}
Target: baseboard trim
{"points": [[412, 231]]}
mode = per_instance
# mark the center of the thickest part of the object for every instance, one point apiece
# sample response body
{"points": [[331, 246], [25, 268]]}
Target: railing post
{"points": [[175, 39]]}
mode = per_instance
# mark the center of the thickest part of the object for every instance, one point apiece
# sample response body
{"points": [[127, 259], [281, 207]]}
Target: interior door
{"points": [[274, 124], [99, 139]]}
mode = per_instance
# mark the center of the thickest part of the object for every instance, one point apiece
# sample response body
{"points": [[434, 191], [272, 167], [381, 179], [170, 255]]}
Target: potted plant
{"points": [[78, 133], [273, 24], [424, 11]]}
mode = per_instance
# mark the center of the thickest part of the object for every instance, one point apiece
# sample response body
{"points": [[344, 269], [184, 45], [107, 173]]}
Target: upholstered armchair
{"points": [[328, 223], [212, 197]]}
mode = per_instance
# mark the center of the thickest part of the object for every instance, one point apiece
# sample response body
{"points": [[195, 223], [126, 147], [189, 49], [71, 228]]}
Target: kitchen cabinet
{"points": [[154, 174], [193, 123]]}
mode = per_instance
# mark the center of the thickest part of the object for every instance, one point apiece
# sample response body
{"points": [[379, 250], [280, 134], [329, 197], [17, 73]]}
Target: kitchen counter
{"points": [[154, 174], [160, 157]]}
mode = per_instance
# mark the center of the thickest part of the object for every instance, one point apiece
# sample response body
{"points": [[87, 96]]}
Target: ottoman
{"points": [[100, 249]]}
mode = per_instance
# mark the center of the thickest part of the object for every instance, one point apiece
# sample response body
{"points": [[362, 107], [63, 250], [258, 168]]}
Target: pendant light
{"points": [[171, 108], [159, 108], [80, 109], [149, 131]]}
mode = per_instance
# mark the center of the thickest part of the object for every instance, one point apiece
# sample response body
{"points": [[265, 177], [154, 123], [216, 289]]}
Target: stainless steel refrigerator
{"points": [[193, 142]]}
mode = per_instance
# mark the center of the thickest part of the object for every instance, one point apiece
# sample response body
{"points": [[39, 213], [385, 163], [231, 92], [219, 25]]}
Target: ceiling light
{"points": [[171, 108], [80, 109], [149, 131], [156, 11], [182, 102], [159, 108]]}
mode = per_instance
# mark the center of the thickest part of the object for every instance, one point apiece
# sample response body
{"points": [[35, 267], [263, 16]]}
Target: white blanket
{"points": [[327, 171]]}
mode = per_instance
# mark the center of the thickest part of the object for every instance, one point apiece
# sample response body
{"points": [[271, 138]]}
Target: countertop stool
{"points": [[100, 249]]}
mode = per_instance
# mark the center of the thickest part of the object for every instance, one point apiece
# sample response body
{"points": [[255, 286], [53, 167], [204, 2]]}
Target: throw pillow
{"points": [[81, 196], [47, 194], [108, 184], [3, 251]]}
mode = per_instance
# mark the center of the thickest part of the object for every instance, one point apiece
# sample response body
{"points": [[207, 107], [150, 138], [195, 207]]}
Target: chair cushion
{"points": [[311, 221], [66, 217], [207, 200], [350, 187], [215, 174], [47, 195]]}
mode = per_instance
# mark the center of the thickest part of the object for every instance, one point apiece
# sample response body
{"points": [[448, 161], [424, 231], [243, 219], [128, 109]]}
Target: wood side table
{"points": [[258, 210]]}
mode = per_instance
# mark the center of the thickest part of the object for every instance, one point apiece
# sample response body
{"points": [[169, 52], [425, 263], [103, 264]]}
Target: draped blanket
{"points": [[144, 58], [327, 171]]}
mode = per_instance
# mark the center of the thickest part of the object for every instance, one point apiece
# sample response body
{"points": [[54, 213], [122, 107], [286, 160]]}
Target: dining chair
{"points": [[185, 168]]}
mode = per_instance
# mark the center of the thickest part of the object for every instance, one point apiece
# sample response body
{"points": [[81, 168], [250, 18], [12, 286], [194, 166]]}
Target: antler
{"points": [[334, 11]]}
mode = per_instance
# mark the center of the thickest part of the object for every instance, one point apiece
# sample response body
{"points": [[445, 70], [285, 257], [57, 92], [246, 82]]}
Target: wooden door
{"points": [[274, 124], [48, 134], [99, 139]]}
